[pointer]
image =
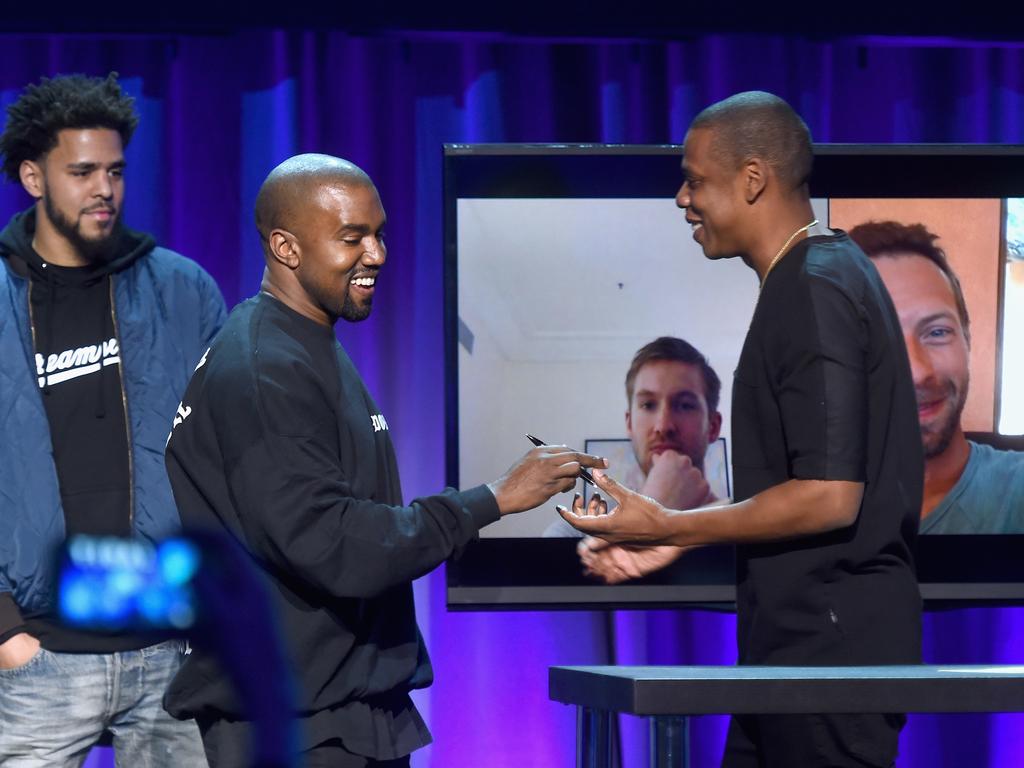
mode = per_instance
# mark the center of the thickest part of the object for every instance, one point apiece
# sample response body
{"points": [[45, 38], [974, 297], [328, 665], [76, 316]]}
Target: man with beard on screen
{"points": [[968, 487], [100, 330], [671, 418]]}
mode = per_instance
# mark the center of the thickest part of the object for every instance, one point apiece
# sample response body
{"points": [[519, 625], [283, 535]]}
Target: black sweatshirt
{"points": [[279, 443]]}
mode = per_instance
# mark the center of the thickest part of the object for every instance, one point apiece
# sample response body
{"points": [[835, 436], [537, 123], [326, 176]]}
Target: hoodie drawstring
{"points": [[44, 342], [101, 406]]}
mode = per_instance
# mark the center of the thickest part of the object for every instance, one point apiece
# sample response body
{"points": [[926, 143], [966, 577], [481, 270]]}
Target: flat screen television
{"points": [[562, 260]]}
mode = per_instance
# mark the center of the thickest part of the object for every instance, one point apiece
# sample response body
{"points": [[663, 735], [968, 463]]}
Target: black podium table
{"points": [[668, 695]]}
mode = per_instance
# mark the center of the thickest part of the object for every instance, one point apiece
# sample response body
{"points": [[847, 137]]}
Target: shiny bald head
{"points": [[295, 184], [321, 226]]}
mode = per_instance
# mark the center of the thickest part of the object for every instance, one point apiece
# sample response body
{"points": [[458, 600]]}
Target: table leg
{"points": [[670, 742], [593, 745]]}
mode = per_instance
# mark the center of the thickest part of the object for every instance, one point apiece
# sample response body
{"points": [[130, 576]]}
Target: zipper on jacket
{"points": [[124, 404], [32, 330]]}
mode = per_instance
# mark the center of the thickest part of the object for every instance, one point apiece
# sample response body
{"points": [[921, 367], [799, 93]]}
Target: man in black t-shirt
{"points": [[280, 446], [827, 456]]}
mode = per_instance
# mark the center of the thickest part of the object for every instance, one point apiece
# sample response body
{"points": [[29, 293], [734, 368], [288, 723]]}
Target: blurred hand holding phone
{"points": [[203, 586]]}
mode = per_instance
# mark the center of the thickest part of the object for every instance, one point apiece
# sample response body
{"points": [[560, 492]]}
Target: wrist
{"points": [[481, 504], [679, 528], [495, 488]]}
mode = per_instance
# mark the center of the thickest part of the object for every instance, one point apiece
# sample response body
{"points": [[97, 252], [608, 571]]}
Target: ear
{"points": [[32, 178], [284, 248], [714, 426], [755, 179], [629, 422]]}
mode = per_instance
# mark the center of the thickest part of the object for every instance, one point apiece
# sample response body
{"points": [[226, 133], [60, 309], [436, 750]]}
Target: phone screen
{"points": [[115, 584]]}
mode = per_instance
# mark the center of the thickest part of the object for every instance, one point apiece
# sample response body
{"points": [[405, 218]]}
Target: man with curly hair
{"points": [[100, 330]]}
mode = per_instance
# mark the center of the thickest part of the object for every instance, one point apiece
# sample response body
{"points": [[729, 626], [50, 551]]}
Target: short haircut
{"points": [[288, 188], [679, 351], [891, 239], [67, 101], [758, 124]]}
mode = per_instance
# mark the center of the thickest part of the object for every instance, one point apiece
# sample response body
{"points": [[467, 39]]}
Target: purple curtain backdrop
{"points": [[219, 111]]}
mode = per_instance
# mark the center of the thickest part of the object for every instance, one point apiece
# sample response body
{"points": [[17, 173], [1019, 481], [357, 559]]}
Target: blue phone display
{"points": [[117, 584]]}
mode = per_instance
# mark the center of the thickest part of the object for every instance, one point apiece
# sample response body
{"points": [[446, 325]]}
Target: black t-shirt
{"points": [[823, 391], [279, 443], [78, 369], [78, 365]]}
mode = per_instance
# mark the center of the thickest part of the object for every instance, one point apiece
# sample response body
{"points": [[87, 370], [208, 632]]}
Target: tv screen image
{"points": [[562, 261]]}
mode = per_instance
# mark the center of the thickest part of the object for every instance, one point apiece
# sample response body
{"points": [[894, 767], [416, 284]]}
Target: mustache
{"points": [[100, 207], [932, 392], [671, 445]]}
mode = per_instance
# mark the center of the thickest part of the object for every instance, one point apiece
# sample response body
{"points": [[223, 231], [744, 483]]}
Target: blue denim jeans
{"points": [[54, 708]]}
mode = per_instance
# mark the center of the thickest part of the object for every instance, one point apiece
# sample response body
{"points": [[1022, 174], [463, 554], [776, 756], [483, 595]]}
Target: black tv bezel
{"points": [[543, 574]]}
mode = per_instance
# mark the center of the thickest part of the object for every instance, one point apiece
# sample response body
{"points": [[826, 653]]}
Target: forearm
{"points": [[789, 510], [360, 548]]}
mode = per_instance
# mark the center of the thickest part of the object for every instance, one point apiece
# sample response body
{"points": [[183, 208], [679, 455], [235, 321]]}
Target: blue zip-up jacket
{"points": [[167, 311]]}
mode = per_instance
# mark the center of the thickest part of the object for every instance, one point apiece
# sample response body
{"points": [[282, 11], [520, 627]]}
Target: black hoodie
{"points": [[77, 359]]}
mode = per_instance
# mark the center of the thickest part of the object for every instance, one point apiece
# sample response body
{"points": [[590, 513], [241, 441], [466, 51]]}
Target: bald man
{"points": [[279, 444]]}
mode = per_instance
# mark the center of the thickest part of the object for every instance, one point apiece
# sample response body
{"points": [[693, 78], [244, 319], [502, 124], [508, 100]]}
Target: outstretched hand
{"points": [[539, 475], [637, 518]]}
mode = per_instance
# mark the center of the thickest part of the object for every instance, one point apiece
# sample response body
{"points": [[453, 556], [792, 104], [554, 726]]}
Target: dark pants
{"points": [[812, 741], [228, 744]]}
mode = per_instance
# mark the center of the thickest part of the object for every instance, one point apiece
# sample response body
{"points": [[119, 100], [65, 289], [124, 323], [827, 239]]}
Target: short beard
{"points": [[98, 251], [353, 312], [936, 443]]}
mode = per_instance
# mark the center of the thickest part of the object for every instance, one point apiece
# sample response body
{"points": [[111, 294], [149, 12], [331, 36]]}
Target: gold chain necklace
{"points": [[782, 250]]}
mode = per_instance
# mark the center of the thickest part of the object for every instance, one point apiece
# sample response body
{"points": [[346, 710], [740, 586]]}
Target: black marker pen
{"points": [[587, 477]]}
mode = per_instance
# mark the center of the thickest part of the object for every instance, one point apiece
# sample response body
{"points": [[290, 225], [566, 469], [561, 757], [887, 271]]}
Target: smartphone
{"points": [[110, 584]]}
